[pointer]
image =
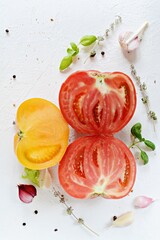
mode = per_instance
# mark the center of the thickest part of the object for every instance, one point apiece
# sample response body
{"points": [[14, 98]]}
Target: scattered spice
{"points": [[14, 105], [14, 123], [24, 224], [36, 211], [14, 76], [102, 53], [55, 229], [114, 218], [51, 19], [7, 31]]}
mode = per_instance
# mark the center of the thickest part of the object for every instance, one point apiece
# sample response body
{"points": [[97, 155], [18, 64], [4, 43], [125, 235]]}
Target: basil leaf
{"points": [[66, 62], [144, 157], [150, 144], [136, 131], [74, 47], [70, 51], [74, 50], [32, 175], [88, 40]]}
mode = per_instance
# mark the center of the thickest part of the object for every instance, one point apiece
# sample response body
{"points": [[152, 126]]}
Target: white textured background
{"points": [[32, 51]]}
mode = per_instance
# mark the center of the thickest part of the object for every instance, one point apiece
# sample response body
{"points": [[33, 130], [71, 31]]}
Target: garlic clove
{"points": [[124, 220], [46, 178], [130, 41], [131, 46], [142, 201], [26, 192]]}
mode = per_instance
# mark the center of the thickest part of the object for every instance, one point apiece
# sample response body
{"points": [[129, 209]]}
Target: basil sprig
{"points": [[73, 50], [136, 132]]}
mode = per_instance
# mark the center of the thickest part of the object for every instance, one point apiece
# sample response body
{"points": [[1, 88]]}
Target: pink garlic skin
{"points": [[26, 192], [134, 44], [142, 201]]}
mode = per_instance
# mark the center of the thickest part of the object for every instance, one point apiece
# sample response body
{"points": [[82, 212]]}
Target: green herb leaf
{"points": [[74, 50], [66, 62], [136, 131], [70, 51], [88, 40], [150, 144], [32, 175], [74, 47], [144, 157]]}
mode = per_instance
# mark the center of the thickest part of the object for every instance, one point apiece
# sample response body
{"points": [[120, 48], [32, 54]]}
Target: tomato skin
{"points": [[42, 134], [97, 103], [97, 166]]}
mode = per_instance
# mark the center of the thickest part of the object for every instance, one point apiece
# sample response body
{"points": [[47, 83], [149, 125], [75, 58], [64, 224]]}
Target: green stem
{"points": [[138, 147], [72, 214], [134, 144]]}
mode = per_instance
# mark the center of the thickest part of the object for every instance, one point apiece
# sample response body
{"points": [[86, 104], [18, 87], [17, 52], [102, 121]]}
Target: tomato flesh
{"points": [[42, 136], [97, 103], [97, 166]]}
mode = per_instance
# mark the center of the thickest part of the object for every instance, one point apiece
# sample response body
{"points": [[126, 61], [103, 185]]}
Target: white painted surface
{"points": [[32, 51]]}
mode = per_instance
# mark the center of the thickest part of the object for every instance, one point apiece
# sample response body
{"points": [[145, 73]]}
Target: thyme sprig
{"points": [[86, 41], [69, 210], [136, 132], [145, 98]]}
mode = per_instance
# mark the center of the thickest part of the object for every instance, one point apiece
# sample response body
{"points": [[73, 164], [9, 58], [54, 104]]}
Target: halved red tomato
{"points": [[97, 166], [97, 103]]}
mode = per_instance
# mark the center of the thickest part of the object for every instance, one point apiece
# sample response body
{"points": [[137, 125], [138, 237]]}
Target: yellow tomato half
{"points": [[42, 136]]}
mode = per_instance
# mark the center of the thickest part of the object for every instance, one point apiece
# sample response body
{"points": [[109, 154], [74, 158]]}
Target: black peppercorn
{"points": [[55, 229], [24, 224], [36, 211], [114, 218], [14, 76], [7, 31], [102, 53]]}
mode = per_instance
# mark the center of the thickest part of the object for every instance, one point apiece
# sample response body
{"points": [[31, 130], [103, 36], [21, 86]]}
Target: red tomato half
{"points": [[97, 166], [97, 103]]}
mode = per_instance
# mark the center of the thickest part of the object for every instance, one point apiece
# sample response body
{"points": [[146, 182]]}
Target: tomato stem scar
{"points": [[20, 134]]}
